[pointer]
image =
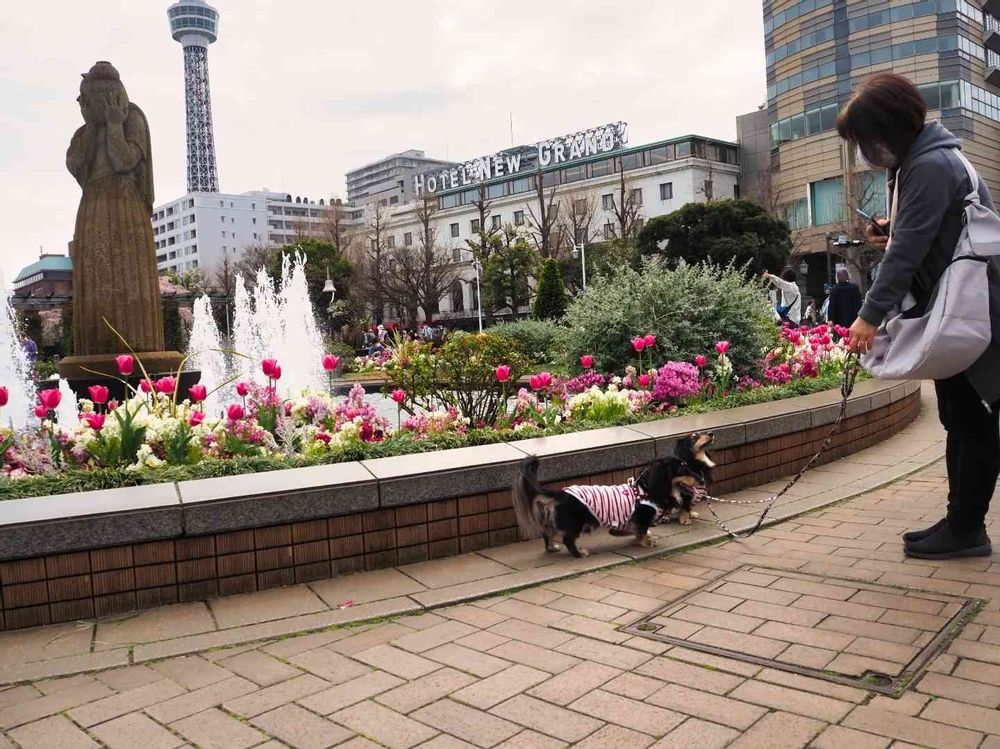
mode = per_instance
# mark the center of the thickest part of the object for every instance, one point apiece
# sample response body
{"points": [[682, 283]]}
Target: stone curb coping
{"points": [[39, 526]]}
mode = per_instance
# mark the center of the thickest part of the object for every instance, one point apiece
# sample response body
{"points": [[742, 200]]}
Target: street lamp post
{"points": [[479, 298], [580, 251]]}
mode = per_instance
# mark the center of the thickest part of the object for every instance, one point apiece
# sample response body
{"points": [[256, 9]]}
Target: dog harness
{"points": [[611, 505]]}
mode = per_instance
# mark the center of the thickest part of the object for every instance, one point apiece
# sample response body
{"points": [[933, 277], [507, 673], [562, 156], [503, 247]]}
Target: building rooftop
{"points": [[46, 263]]}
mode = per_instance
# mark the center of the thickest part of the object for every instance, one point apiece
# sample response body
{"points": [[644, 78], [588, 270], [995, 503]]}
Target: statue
{"points": [[114, 258]]}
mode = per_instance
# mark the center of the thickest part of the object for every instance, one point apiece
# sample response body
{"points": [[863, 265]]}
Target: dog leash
{"points": [[852, 366]]}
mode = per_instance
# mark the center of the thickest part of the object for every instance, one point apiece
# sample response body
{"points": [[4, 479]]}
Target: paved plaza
{"points": [[688, 648]]}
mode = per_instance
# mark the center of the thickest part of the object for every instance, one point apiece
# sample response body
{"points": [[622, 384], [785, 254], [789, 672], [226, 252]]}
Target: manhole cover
{"points": [[875, 637]]}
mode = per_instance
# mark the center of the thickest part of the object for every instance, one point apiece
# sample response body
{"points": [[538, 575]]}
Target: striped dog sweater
{"points": [[611, 505]]}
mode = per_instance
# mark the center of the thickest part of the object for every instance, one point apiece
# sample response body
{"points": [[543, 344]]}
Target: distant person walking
{"points": [[789, 308], [845, 301]]}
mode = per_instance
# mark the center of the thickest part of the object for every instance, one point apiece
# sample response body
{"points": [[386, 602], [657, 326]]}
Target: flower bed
{"points": [[450, 397]]}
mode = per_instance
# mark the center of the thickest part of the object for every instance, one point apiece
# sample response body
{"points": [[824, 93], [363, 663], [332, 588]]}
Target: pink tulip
{"points": [[112, 405], [98, 394], [235, 411], [126, 364], [644, 380], [165, 385], [503, 373], [196, 418], [398, 395], [276, 373], [49, 398], [700, 360], [268, 366], [638, 343], [95, 421], [722, 347], [198, 393], [586, 361], [242, 388], [4, 397], [330, 362], [323, 437], [146, 386], [650, 340], [41, 412]]}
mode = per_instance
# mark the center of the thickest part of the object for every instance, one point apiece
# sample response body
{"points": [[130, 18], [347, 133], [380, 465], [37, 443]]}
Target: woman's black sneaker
{"points": [[911, 536], [946, 543]]}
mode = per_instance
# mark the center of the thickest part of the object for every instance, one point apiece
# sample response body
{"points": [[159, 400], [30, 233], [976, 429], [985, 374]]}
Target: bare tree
{"points": [[543, 218], [333, 226], [708, 185], [223, 280], [576, 218], [864, 189], [625, 205], [374, 265], [253, 257], [481, 244]]}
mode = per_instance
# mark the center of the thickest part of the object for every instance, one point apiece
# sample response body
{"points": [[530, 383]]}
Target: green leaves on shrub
{"points": [[538, 338], [550, 301]]}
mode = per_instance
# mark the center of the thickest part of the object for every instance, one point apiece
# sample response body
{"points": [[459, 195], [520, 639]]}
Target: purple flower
{"points": [[676, 380]]}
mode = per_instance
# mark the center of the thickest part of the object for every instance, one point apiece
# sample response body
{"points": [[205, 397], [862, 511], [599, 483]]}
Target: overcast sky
{"points": [[303, 90]]}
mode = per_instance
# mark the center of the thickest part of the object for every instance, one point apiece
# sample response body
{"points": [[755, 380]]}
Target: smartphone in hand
{"points": [[876, 227]]}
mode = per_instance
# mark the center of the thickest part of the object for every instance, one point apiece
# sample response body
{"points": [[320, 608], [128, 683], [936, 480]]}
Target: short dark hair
{"points": [[789, 275], [886, 111]]}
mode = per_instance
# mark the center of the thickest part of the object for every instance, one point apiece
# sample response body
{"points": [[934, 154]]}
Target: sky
{"points": [[304, 90]]}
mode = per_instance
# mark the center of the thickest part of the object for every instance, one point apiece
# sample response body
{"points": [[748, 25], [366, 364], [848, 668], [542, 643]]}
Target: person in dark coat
{"points": [[886, 121], [845, 301]]}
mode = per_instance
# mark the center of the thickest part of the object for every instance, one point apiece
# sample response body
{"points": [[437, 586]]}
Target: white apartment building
{"points": [[662, 176], [199, 230], [389, 181]]}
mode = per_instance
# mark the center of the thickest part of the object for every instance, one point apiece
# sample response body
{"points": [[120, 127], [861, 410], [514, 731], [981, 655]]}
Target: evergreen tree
{"points": [[174, 334], [550, 301]]}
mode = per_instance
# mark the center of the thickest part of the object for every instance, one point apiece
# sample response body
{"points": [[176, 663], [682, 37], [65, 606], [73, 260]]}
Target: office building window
{"points": [[580, 206], [608, 202], [456, 255], [408, 239], [797, 214], [222, 219], [667, 191], [827, 201], [496, 222], [580, 235], [454, 230], [394, 200], [609, 231], [736, 191], [474, 225], [254, 220], [636, 196], [390, 242], [518, 218]]}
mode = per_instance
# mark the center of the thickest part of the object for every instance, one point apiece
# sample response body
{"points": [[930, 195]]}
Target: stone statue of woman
{"points": [[114, 258]]}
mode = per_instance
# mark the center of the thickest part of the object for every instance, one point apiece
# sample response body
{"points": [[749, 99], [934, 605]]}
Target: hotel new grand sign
{"points": [[514, 161]]}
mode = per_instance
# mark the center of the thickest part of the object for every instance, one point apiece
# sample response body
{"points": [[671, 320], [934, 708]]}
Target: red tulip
{"points": [[638, 343], [323, 437], [49, 398], [268, 366], [540, 381], [196, 418], [650, 340], [503, 373], [4, 397], [198, 393], [242, 388], [700, 360], [126, 364], [235, 412], [95, 421], [330, 362], [276, 373], [165, 385], [722, 347], [586, 361], [146, 386], [41, 412], [644, 380], [98, 394], [398, 395], [534, 383]]}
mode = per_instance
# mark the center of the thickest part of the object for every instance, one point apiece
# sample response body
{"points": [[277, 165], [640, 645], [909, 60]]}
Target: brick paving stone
{"points": [[633, 601], [715, 662], [191, 671], [474, 616], [841, 608], [634, 686], [831, 640], [708, 706], [52, 732], [889, 651], [358, 742], [807, 655], [216, 730], [626, 712], [482, 641], [815, 686], [779, 731], [17, 695], [440, 634], [531, 740], [776, 613], [977, 651], [343, 695], [720, 619], [47, 686], [874, 630], [646, 645], [813, 588], [135, 730], [741, 643], [976, 671], [260, 668], [838, 737], [590, 609], [370, 638], [275, 696], [300, 728], [329, 665], [594, 628], [715, 601], [467, 723], [383, 725], [190, 703], [126, 702], [686, 674], [537, 596], [423, 691], [761, 580], [495, 689], [129, 677], [754, 593], [927, 622], [903, 727], [548, 719], [697, 734], [857, 665], [443, 741], [41, 707], [680, 582], [909, 703], [533, 634], [603, 652], [530, 655], [397, 662], [791, 700], [615, 737], [291, 646], [577, 681], [529, 612], [466, 659], [963, 715]]}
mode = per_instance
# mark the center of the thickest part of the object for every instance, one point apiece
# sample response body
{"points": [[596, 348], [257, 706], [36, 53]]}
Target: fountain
{"points": [[15, 370], [206, 355]]}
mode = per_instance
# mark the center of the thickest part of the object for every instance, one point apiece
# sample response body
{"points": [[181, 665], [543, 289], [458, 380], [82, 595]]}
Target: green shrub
{"points": [[550, 301], [538, 338], [688, 308]]}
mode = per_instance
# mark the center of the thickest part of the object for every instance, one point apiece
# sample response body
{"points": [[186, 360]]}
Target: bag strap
{"points": [[972, 197]]}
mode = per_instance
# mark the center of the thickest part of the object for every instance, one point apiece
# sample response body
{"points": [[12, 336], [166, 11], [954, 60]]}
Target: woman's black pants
{"points": [[973, 451]]}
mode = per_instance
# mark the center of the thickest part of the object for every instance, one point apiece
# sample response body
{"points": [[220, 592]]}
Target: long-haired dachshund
{"points": [[665, 485]]}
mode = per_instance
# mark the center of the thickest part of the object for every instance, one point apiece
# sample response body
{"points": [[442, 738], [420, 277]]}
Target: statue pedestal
{"points": [[100, 369]]}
